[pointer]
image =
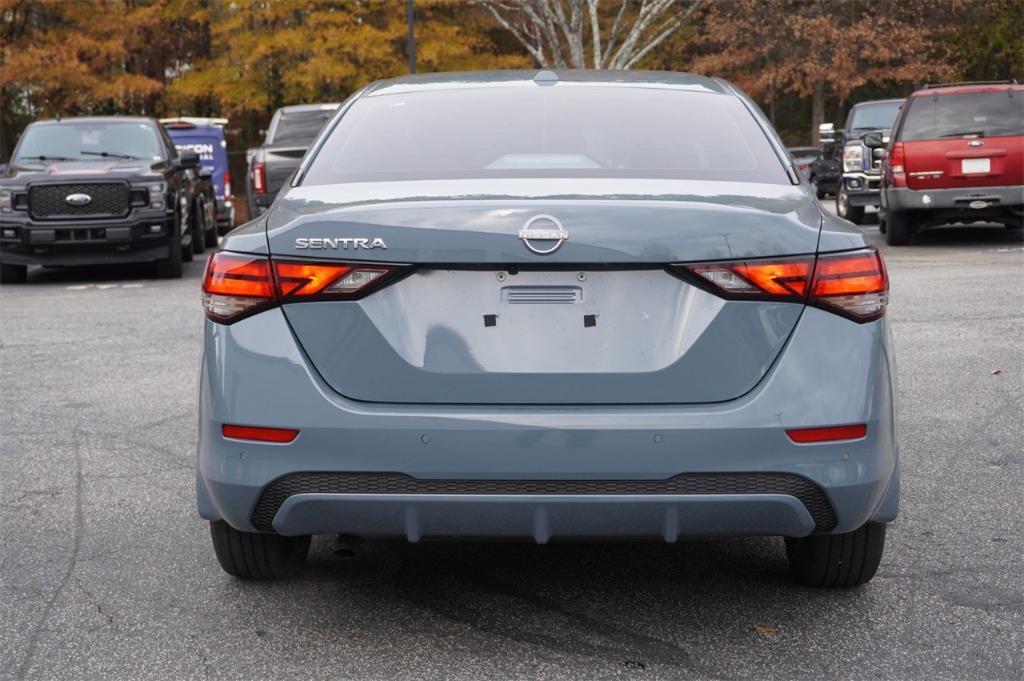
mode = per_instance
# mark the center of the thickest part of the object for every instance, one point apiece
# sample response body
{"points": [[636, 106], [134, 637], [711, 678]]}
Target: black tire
{"points": [[170, 267], [13, 274], [899, 227], [837, 560], [252, 555], [818, 191], [854, 214], [199, 230]]}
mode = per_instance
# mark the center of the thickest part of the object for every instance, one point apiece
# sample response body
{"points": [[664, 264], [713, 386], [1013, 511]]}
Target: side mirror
{"points": [[873, 140], [881, 154], [188, 159], [827, 132]]}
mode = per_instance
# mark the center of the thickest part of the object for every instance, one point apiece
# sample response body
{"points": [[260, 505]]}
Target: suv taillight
{"points": [[259, 178], [896, 159], [236, 286], [853, 284]]}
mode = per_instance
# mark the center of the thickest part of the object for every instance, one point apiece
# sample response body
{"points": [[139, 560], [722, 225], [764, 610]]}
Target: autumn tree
{"points": [[614, 35], [819, 49]]}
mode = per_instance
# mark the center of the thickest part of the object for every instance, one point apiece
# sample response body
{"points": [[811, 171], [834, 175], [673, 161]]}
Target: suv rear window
{"points": [[985, 114], [301, 127], [561, 131]]}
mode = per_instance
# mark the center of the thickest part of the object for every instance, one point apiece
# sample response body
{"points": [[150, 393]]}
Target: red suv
{"points": [[956, 155]]}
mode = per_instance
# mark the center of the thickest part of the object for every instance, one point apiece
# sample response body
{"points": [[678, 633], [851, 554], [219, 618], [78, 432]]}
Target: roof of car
{"points": [[94, 119], [968, 88], [879, 101], [476, 79], [309, 107]]}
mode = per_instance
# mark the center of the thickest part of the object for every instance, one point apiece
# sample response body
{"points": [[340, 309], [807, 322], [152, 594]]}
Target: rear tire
{"points": [[199, 231], [837, 560], [13, 274], [170, 267], [252, 555], [899, 227]]}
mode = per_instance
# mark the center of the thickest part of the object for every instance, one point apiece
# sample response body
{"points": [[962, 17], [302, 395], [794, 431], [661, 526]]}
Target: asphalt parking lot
{"points": [[106, 572]]}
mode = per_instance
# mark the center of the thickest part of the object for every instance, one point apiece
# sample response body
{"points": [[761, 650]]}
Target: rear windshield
{"points": [[559, 131], [987, 114], [90, 141], [300, 127], [874, 116]]}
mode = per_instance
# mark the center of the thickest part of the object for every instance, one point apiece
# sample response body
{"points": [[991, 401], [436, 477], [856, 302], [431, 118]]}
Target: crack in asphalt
{"points": [[22, 670]]}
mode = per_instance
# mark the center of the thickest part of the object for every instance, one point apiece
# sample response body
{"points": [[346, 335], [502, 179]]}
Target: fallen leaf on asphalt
{"points": [[764, 629], [996, 372]]}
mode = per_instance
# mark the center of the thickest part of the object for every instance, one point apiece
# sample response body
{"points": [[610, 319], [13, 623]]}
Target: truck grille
{"points": [[107, 200], [810, 494]]}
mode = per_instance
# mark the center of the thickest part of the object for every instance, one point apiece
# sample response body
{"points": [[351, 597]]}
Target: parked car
{"points": [[858, 187], [826, 171], [957, 155], [97, 190], [291, 131], [803, 158], [205, 136], [546, 306]]}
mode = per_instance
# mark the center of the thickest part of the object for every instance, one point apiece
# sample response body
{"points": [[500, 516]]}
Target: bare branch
{"points": [[532, 46], [670, 26], [595, 31]]}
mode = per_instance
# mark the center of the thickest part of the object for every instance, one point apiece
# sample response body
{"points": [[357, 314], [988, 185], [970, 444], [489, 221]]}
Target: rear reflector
{"points": [[830, 434], [853, 284], [237, 285], [259, 434]]}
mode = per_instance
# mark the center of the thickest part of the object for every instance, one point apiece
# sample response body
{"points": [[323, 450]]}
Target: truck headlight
{"points": [[156, 193], [5, 201], [853, 158]]}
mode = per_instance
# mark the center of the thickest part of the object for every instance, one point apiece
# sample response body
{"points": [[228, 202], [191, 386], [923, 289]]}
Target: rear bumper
{"points": [[545, 473], [978, 201], [86, 243]]}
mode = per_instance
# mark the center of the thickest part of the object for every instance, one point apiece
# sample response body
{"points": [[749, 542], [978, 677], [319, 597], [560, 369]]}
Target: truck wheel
{"points": [[899, 227], [199, 231], [13, 274], [252, 555], [170, 267], [854, 214], [837, 560]]}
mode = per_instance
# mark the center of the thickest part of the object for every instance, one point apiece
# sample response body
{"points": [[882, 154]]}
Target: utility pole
{"points": [[411, 48]]}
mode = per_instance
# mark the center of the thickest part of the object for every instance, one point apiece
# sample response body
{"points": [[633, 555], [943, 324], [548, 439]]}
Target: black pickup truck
{"points": [[93, 191], [291, 131]]}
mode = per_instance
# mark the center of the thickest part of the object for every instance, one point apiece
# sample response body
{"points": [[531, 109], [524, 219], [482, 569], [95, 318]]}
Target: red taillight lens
{"points": [[227, 185], [852, 284], [780, 279], [830, 434], [259, 178], [896, 158], [280, 435], [237, 285], [855, 284]]}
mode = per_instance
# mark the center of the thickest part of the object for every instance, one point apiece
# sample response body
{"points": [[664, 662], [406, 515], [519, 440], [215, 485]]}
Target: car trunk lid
{"points": [[482, 319]]}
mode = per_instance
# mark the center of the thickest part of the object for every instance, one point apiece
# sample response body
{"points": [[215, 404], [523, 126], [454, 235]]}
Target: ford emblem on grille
{"points": [[78, 199], [545, 229]]}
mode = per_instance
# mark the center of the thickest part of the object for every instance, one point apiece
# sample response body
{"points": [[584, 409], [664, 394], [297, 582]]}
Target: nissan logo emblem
{"points": [[543, 234]]}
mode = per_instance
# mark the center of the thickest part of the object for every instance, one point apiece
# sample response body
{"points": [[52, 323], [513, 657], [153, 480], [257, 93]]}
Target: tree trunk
{"points": [[817, 110]]}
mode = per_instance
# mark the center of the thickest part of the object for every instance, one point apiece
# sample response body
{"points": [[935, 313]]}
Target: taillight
{"points": [[236, 285], [896, 158], [259, 178], [853, 284], [227, 185]]}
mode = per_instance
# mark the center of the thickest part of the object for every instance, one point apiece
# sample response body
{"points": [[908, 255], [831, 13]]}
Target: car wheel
{"points": [[899, 227], [854, 214], [837, 560], [13, 274], [254, 555], [199, 230], [170, 267], [818, 191]]}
